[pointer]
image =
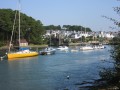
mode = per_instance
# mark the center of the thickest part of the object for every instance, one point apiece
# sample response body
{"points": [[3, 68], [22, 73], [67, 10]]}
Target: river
{"points": [[50, 72]]}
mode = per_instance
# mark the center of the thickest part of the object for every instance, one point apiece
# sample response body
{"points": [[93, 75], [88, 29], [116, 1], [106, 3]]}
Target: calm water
{"points": [[50, 72]]}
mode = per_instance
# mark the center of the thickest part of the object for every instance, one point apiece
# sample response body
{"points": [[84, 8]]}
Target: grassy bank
{"points": [[32, 46]]}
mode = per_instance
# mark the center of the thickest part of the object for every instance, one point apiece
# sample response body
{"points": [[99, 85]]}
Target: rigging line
{"points": [[13, 30], [19, 22]]}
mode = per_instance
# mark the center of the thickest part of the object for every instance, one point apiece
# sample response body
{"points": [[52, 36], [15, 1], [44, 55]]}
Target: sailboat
{"points": [[49, 50], [62, 48], [22, 52], [86, 47]]}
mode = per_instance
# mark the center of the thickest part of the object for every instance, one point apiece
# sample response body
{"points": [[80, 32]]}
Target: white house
{"points": [[109, 35]]}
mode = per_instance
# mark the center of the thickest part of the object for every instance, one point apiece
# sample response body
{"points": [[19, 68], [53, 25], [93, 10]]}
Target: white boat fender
{"points": [[68, 77], [1, 58]]}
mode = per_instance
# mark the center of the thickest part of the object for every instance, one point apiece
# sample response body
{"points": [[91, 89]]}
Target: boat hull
{"points": [[86, 48], [63, 48], [21, 55], [47, 51]]}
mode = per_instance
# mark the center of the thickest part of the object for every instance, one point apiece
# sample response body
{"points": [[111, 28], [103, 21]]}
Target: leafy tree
{"points": [[31, 29], [115, 52], [112, 75], [52, 27], [67, 27]]}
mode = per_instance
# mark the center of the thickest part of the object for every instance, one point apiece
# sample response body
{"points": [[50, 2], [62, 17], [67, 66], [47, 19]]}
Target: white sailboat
{"points": [[49, 50], [22, 52], [62, 48], [86, 47], [100, 46]]}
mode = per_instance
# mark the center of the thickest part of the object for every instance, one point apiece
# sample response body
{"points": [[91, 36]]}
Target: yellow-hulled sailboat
{"points": [[22, 52]]}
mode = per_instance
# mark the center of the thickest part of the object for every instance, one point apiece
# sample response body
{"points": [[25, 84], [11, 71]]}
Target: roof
{"points": [[23, 41]]}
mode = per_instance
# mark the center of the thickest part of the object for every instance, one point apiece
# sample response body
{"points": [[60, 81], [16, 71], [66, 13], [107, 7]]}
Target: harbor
{"points": [[44, 46], [63, 70]]}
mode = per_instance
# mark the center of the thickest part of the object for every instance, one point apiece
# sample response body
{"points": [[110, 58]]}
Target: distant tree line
{"points": [[67, 27]]}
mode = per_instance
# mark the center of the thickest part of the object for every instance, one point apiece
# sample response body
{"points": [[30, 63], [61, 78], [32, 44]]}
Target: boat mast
{"points": [[12, 31], [85, 34], [81, 35], [19, 23], [59, 39], [50, 37]]}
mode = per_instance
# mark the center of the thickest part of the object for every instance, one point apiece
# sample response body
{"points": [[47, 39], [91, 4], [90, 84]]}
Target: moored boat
{"points": [[22, 52], [100, 46], [86, 47], [62, 48], [47, 51]]}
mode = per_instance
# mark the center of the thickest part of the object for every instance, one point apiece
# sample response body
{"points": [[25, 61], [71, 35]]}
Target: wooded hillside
{"points": [[31, 29]]}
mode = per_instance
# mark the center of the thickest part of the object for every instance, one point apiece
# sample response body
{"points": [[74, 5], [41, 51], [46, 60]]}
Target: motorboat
{"points": [[100, 46], [86, 47], [47, 51], [62, 48]]}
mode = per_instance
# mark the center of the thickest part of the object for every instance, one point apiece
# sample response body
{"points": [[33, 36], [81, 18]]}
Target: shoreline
{"points": [[32, 46]]}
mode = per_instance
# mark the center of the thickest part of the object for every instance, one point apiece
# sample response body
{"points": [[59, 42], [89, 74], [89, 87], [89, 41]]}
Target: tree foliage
{"points": [[115, 52], [112, 75], [67, 27], [31, 29], [76, 28], [117, 10], [52, 27]]}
